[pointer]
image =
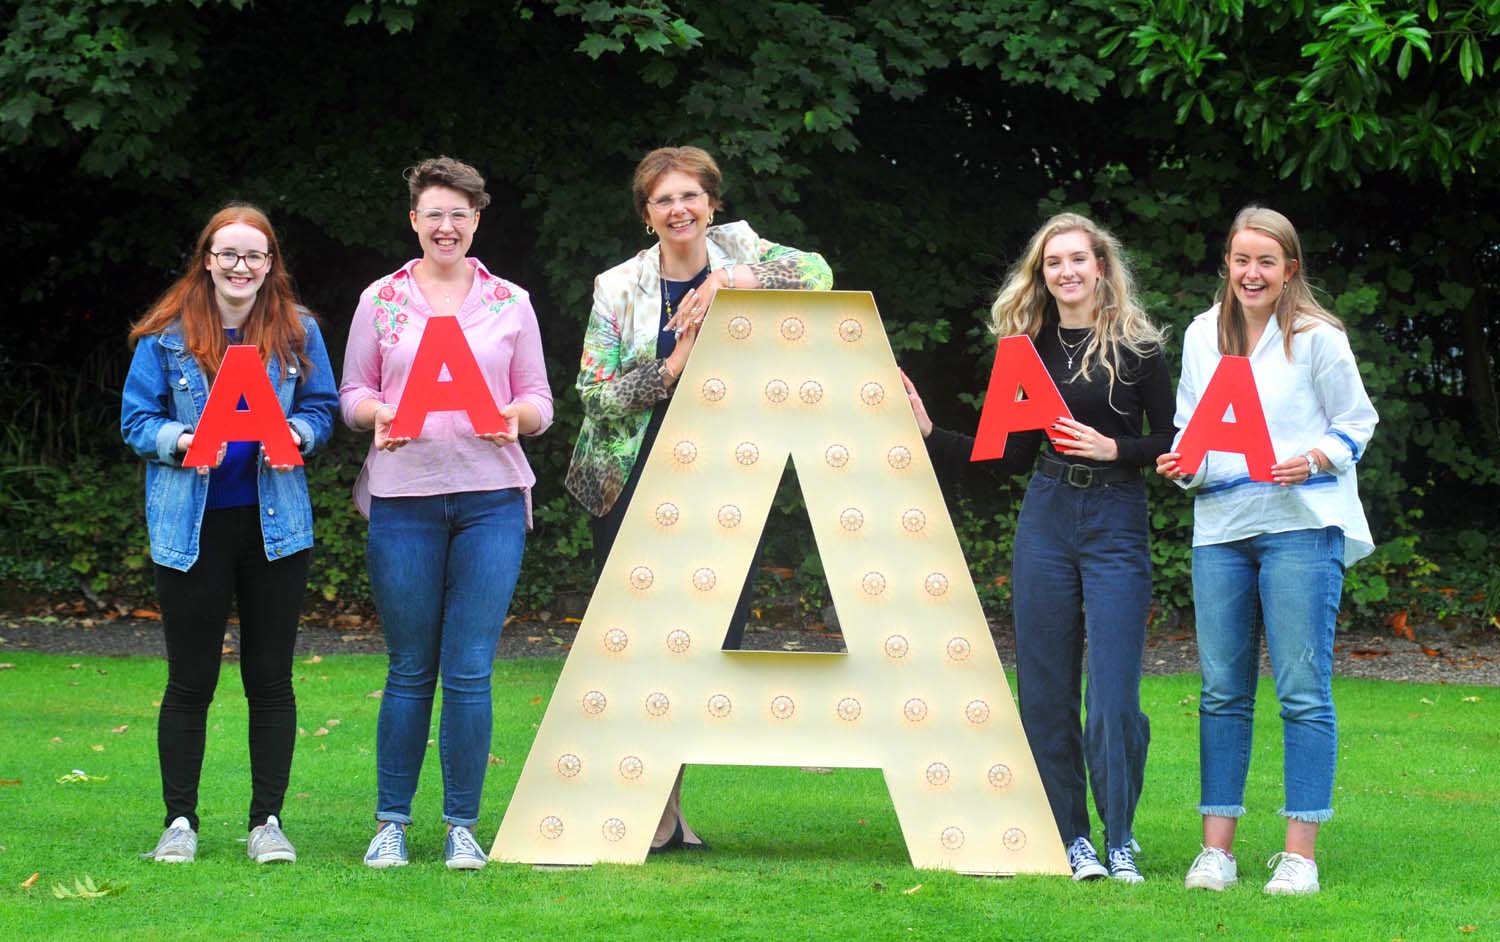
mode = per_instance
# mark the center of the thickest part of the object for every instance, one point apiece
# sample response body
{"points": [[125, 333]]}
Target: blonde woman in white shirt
{"points": [[1279, 548]]}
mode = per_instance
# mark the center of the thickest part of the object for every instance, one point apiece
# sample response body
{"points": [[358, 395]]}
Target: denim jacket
{"points": [[164, 394]]}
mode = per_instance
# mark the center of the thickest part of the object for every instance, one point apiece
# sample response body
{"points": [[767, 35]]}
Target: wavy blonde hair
{"points": [[1297, 308], [1119, 320]]}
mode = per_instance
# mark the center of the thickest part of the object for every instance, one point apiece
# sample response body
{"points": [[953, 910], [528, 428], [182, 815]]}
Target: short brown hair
{"points": [[662, 161], [445, 171]]}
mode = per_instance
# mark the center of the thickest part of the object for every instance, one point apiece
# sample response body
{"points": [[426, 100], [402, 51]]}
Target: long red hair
{"points": [[273, 325]]}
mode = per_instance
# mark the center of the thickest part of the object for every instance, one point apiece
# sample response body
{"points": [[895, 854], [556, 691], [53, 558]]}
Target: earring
{"points": [[649, 230], [710, 219]]}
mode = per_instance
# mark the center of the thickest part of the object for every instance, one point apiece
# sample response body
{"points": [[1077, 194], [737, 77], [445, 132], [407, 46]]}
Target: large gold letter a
{"points": [[920, 693]]}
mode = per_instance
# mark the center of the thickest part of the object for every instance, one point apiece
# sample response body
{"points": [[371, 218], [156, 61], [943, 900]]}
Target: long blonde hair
{"points": [[1297, 308], [1119, 319]]}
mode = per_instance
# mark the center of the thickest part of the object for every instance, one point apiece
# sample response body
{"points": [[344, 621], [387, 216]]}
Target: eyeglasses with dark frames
{"points": [[229, 258]]}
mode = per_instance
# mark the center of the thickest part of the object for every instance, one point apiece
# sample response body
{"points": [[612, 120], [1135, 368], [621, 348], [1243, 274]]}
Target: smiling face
{"points": [[1258, 271], [447, 241], [679, 209], [1071, 271], [237, 287]]}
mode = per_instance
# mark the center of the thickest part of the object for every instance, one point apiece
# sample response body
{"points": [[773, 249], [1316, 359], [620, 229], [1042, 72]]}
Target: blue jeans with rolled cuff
{"points": [[442, 570], [1293, 580], [1082, 570]]}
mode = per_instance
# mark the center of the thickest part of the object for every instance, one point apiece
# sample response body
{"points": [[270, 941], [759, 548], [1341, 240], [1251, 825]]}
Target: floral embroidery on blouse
{"points": [[389, 298]]}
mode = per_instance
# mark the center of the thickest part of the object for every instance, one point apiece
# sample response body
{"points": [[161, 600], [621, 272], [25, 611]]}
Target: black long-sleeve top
{"points": [[1142, 390]]}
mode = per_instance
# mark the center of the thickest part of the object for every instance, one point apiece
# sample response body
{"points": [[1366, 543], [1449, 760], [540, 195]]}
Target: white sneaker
{"points": [[1084, 860], [267, 844], [178, 844], [1214, 869], [1295, 875]]}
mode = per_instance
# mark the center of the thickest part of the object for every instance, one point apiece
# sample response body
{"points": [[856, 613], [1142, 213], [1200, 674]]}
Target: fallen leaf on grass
{"points": [[86, 888], [7, 667], [74, 667], [1190, 698], [375, 694], [816, 770], [97, 747], [877, 886], [1473, 699], [30, 881], [910, 890], [862, 822], [496, 760], [119, 729], [56, 740], [10, 781], [79, 775], [315, 659], [535, 700], [1467, 928], [332, 723], [321, 731], [1427, 701]]}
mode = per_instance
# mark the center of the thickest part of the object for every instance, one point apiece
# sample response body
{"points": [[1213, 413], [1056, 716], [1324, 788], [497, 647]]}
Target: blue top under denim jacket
{"points": [[165, 393]]}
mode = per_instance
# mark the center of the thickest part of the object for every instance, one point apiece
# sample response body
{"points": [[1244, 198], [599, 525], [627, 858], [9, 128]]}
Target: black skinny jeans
{"points": [[231, 566]]}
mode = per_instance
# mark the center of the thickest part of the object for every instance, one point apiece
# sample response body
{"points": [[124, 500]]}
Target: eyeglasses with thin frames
{"points": [[229, 258], [433, 218], [690, 198]]}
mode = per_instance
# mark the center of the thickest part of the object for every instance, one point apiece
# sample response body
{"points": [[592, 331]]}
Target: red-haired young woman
{"points": [[238, 533]]}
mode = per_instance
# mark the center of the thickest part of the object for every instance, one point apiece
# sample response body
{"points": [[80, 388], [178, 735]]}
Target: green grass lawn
{"points": [[1412, 854]]}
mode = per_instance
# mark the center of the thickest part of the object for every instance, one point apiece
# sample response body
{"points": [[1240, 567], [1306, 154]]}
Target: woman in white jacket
{"points": [[1280, 547]]}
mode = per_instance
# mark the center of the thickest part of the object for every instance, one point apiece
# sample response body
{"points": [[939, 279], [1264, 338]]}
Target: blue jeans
{"points": [[1082, 569], [1295, 579], [442, 570]]}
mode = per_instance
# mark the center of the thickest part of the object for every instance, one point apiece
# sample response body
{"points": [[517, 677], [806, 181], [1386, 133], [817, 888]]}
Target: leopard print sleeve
{"points": [[781, 266], [607, 389]]}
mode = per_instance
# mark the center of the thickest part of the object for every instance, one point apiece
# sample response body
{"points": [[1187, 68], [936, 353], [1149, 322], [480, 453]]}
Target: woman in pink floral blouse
{"points": [[448, 507]]}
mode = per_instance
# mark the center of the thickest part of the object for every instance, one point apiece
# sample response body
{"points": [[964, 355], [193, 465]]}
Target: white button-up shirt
{"points": [[1314, 400]]}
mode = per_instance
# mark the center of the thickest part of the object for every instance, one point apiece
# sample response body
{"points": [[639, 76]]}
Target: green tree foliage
{"points": [[916, 143]]}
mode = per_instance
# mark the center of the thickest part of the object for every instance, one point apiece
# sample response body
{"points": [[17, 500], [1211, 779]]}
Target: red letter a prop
{"points": [[242, 375], [1232, 385], [1018, 369], [443, 344]]}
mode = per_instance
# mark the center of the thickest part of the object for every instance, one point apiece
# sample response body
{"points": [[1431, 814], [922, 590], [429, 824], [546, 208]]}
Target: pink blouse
{"points": [[501, 329]]}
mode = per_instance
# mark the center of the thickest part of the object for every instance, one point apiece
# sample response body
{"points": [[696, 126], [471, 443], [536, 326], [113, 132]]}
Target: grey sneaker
{"points": [[178, 844], [268, 844], [1213, 869], [1085, 860], [387, 847], [461, 851], [1295, 875]]}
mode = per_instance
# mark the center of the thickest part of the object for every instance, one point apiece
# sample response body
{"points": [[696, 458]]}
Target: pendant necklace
{"points": [[1069, 350]]}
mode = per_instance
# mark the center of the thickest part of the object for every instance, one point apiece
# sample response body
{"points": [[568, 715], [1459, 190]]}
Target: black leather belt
{"points": [[1082, 475]]}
